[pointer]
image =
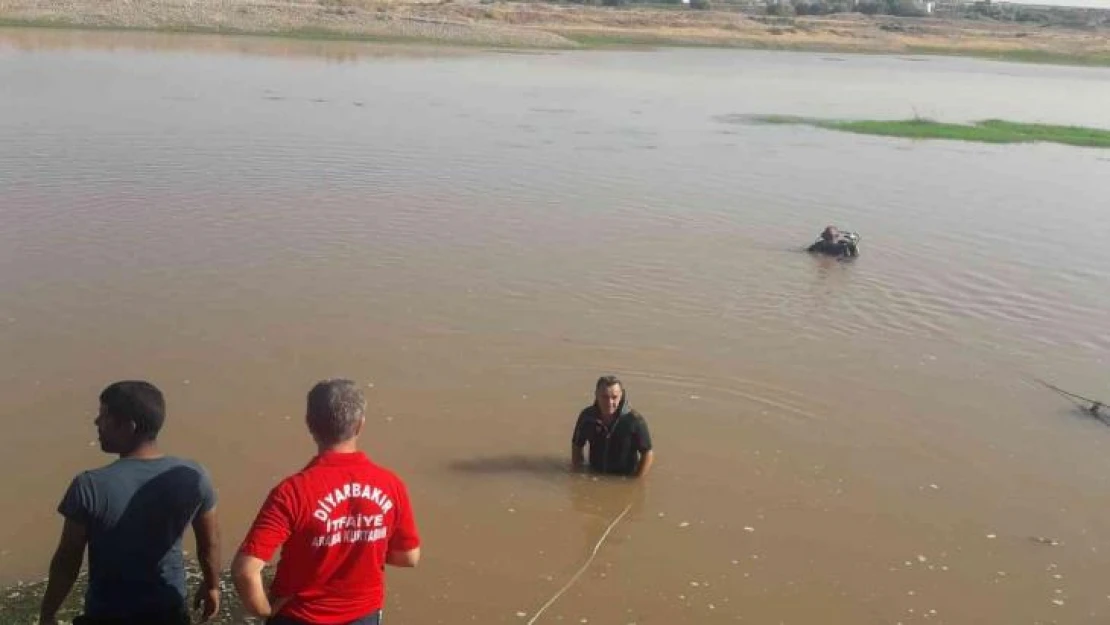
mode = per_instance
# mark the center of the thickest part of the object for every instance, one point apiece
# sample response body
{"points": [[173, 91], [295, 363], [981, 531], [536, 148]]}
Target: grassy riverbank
{"points": [[989, 131], [560, 26]]}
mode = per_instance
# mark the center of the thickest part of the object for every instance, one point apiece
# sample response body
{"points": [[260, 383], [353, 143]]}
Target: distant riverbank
{"points": [[551, 26]]}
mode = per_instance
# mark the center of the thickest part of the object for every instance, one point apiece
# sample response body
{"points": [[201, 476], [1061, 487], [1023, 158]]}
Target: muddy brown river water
{"points": [[478, 235]]}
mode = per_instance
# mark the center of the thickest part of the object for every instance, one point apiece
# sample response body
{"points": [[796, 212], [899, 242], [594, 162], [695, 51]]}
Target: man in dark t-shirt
{"points": [[132, 514], [618, 436]]}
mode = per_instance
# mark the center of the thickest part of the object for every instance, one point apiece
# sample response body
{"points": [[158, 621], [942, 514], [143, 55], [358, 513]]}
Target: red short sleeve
{"points": [[405, 536], [273, 525]]}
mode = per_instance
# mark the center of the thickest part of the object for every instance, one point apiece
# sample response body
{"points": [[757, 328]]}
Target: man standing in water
{"points": [[338, 522], [618, 435], [833, 242], [132, 515]]}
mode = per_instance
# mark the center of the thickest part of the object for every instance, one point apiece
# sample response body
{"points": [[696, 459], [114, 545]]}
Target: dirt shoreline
{"points": [[550, 26], [21, 602]]}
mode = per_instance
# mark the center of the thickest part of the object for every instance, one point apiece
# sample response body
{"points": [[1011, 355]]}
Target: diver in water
{"points": [[834, 242]]}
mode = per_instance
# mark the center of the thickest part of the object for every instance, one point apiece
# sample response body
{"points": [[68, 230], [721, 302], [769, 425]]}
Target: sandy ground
{"points": [[556, 26]]}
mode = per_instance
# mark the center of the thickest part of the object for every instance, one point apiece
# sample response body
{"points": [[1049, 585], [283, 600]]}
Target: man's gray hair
{"points": [[335, 408]]}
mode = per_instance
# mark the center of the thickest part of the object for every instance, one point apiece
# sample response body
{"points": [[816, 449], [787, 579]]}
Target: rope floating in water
{"points": [[1094, 408], [581, 570]]}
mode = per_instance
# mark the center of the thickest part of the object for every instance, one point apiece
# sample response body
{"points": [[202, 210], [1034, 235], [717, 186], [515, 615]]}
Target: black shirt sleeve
{"points": [[643, 435], [206, 491], [581, 430], [78, 502]]}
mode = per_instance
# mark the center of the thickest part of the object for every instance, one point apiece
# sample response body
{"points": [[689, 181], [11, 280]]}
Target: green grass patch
{"points": [[591, 39], [1020, 55], [988, 131], [614, 38]]}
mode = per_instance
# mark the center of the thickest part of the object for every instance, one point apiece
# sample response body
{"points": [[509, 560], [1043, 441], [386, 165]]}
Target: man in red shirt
{"points": [[339, 522]]}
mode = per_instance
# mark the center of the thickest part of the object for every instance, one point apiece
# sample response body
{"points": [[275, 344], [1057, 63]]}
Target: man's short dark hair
{"points": [[335, 408], [139, 402], [606, 381]]}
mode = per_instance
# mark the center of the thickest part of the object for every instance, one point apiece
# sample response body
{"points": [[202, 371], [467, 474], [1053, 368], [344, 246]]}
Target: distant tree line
{"points": [[1068, 17], [694, 4], [788, 8], [903, 8]]}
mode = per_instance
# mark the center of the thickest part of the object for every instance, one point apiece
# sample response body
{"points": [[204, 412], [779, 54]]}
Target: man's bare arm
{"points": [[577, 458], [206, 528], [646, 460], [64, 568], [406, 559], [246, 572]]}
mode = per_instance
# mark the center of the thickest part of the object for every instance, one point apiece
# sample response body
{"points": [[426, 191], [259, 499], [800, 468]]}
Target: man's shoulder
{"points": [[103, 470], [294, 482], [383, 475], [86, 480], [589, 412], [165, 463], [108, 473], [177, 462], [316, 473], [182, 476], [116, 483]]}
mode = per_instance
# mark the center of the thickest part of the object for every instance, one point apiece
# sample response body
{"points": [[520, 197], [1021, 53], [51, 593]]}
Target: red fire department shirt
{"points": [[337, 520]]}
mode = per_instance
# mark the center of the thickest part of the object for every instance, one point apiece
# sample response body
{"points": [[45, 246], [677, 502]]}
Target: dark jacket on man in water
{"points": [[833, 242], [616, 448]]}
